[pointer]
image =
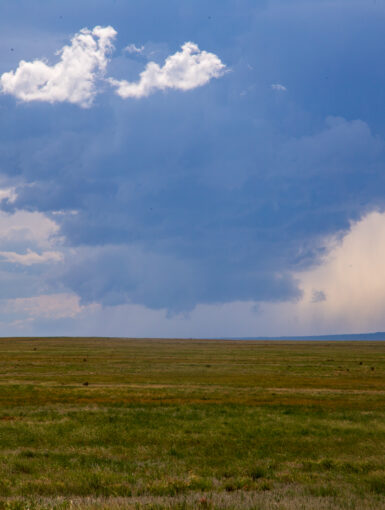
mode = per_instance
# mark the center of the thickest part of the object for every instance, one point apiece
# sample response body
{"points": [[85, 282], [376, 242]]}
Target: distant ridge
{"points": [[380, 335]]}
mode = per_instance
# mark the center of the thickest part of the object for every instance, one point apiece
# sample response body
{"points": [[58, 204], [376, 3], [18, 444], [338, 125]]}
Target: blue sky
{"points": [[221, 187]]}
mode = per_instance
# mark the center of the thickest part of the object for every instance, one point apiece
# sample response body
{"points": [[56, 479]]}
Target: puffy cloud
{"points": [[185, 70], [84, 61], [27, 228], [351, 278], [31, 257], [8, 195], [72, 79]]}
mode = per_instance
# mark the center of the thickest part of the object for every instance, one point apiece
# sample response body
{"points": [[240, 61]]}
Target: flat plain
{"points": [[189, 424]]}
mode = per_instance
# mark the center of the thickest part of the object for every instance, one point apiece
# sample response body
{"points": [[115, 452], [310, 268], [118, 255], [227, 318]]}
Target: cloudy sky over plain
{"points": [[189, 168]]}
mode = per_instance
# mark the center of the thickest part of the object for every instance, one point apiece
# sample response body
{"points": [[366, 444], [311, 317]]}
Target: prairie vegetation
{"points": [[188, 424]]}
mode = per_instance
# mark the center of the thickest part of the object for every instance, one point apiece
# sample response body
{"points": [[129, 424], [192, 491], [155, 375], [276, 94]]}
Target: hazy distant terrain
{"points": [[187, 424], [380, 335]]}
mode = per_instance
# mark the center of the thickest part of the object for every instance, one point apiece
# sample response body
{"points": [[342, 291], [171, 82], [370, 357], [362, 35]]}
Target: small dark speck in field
{"points": [[372, 368], [84, 359], [208, 366], [347, 370], [257, 473], [86, 383], [35, 348], [360, 363]]}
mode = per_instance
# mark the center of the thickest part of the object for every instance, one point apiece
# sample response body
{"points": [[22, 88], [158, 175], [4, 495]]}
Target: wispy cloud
{"points": [[184, 70], [72, 79], [49, 306], [279, 87], [132, 48], [30, 258]]}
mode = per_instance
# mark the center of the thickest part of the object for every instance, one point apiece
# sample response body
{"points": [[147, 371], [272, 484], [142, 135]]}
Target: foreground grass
{"points": [[105, 423]]}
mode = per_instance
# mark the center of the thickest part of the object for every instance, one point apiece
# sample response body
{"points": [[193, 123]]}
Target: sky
{"points": [[192, 169]]}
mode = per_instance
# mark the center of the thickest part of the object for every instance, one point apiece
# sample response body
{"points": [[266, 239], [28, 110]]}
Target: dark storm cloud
{"points": [[216, 194]]}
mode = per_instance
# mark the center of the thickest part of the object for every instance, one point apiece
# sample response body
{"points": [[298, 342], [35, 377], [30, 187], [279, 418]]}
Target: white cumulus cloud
{"points": [[71, 79], [184, 70], [81, 64]]}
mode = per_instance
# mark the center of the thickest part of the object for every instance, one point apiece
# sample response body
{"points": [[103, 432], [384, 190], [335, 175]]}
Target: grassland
{"points": [[106, 423]]}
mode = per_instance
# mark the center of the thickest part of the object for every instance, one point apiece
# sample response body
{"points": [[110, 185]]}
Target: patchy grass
{"points": [[191, 424]]}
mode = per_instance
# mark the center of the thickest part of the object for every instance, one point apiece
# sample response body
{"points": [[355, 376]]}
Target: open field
{"points": [[105, 423]]}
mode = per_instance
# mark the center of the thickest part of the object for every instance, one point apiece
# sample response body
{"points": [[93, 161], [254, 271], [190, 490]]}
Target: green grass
{"points": [[106, 423]]}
